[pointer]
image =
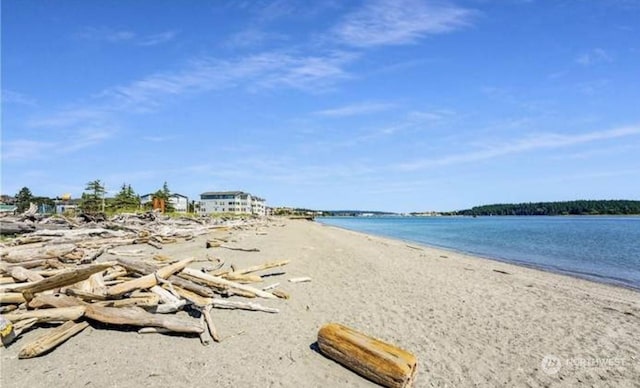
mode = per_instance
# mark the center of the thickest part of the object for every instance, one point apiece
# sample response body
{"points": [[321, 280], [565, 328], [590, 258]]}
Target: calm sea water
{"points": [[605, 249]]}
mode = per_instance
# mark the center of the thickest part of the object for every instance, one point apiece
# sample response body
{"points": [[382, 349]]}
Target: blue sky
{"points": [[380, 105]]}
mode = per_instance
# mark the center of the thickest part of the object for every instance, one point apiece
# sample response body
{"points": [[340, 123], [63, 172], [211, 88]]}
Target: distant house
{"points": [[237, 202], [62, 208], [179, 202], [8, 209]]}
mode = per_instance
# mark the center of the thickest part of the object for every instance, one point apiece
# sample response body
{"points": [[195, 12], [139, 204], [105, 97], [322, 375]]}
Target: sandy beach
{"points": [[469, 321]]}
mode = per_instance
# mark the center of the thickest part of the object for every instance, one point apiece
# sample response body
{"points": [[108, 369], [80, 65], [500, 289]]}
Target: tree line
{"points": [[580, 207], [93, 200]]}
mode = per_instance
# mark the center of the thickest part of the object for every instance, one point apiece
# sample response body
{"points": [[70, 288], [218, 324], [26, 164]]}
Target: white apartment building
{"points": [[237, 202]]}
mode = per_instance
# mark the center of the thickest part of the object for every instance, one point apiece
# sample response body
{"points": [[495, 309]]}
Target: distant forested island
{"points": [[581, 207]]}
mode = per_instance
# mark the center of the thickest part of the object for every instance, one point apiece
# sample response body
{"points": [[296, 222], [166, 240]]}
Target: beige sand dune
{"points": [[470, 322]]}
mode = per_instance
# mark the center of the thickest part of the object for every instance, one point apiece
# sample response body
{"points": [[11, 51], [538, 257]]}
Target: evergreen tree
{"points": [[23, 199], [126, 199], [165, 194], [93, 198]]}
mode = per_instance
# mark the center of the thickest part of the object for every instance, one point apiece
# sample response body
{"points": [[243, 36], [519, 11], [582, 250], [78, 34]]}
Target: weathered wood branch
{"points": [[64, 279], [54, 300], [48, 315], [135, 316], [192, 297], [147, 281], [233, 305], [143, 268], [215, 281], [11, 298], [206, 312], [22, 274], [51, 339], [261, 267], [300, 279]]}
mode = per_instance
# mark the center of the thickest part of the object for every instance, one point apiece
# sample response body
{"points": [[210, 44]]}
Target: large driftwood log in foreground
{"points": [[376, 360], [51, 339], [135, 316], [216, 281]]}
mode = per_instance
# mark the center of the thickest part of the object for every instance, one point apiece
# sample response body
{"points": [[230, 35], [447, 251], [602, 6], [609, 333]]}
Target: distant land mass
{"points": [[562, 208], [580, 207]]}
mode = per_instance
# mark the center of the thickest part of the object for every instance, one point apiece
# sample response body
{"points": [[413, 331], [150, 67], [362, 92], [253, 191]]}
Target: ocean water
{"points": [[604, 249]]}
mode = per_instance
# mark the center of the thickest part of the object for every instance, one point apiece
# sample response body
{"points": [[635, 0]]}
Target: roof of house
{"points": [[242, 194], [170, 195], [223, 193]]}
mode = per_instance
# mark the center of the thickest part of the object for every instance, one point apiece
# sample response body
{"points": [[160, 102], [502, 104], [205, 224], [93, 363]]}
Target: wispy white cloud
{"points": [[106, 34], [261, 71], [28, 149], [158, 139], [253, 37], [269, 11], [266, 70], [13, 97], [430, 116], [355, 109], [156, 39], [70, 117], [24, 149], [394, 22], [599, 152], [592, 87], [110, 35], [593, 57], [541, 141]]}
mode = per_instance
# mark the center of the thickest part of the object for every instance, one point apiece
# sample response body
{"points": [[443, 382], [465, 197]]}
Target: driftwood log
{"points": [[217, 281], [255, 268], [236, 305], [150, 280], [51, 339], [15, 227], [48, 315], [64, 279], [135, 316], [374, 359], [143, 268]]}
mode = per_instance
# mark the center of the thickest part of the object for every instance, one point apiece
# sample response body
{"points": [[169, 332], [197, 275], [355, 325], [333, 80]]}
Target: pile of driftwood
{"points": [[52, 276]]}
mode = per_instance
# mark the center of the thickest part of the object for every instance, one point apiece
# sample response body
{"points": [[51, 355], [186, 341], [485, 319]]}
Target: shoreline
{"points": [[469, 322], [476, 256], [591, 277]]}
